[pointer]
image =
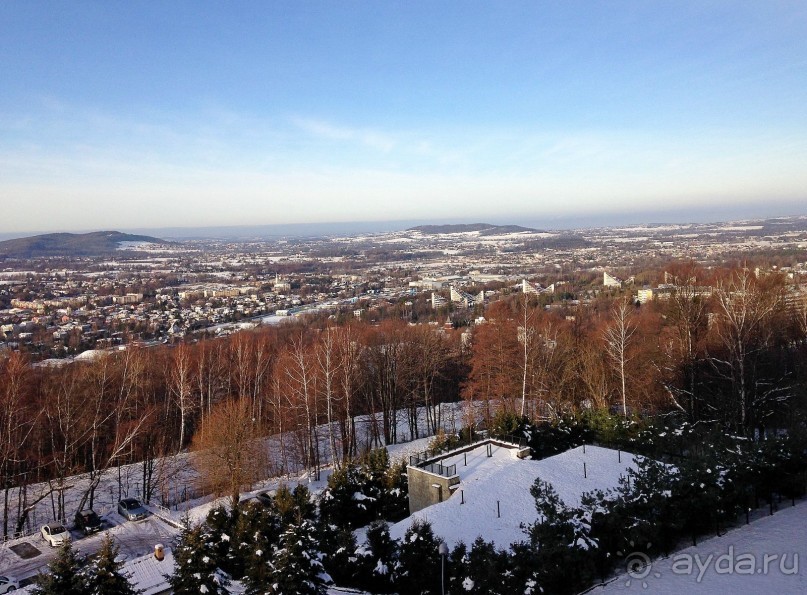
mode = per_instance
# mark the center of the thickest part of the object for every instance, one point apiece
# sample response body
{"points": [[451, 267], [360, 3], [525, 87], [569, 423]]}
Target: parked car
{"points": [[265, 498], [88, 521], [8, 584], [55, 534], [131, 509]]}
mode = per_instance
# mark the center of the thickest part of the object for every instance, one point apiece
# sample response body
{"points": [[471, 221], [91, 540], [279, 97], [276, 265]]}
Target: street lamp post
{"points": [[442, 549]]}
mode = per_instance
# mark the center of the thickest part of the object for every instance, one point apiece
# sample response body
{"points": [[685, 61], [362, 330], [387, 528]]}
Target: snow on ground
{"points": [[507, 479], [133, 538], [199, 512], [732, 563], [136, 245], [740, 227], [178, 476], [404, 450]]}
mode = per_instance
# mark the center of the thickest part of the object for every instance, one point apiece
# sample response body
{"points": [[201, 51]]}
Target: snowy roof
{"points": [[90, 355], [506, 479], [147, 573]]}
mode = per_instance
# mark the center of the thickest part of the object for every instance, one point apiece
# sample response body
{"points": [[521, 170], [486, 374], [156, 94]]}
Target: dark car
{"points": [[131, 509], [88, 521], [266, 498]]}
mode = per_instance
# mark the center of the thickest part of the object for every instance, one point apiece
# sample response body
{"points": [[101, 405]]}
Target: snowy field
{"points": [[506, 479], [733, 563]]}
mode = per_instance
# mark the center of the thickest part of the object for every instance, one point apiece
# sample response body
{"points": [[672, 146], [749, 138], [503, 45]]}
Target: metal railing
{"points": [[517, 441], [437, 468], [18, 535], [425, 459]]}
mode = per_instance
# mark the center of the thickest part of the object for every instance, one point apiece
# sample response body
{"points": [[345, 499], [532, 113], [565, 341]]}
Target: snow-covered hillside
{"points": [[139, 538], [506, 479], [732, 563]]}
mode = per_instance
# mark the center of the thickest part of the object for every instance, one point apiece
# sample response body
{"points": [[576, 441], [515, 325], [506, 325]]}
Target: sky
{"points": [[118, 115]]}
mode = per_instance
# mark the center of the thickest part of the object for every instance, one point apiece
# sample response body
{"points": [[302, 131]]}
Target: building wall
{"points": [[422, 492]]}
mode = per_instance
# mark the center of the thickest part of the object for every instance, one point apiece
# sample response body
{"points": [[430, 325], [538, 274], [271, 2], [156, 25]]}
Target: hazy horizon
{"points": [[198, 114], [278, 230]]}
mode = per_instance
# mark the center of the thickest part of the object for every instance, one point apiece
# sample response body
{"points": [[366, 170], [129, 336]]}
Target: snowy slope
{"points": [[507, 479], [740, 571], [139, 538]]}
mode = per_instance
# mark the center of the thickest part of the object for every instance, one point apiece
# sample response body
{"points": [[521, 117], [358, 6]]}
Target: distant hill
{"points": [[70, 244], [485, 229]]}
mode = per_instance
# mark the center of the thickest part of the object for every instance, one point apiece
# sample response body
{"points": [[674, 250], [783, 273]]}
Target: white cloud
{"points": [[365, 136]]}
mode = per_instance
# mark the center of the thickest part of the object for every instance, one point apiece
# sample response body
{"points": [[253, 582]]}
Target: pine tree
{"points": [[258, 570], [395, 494], [480, 571], [339, 503], [294, 506], [219, 526], [64, 575], [419, 570], [457, 569], [339, 553], [295, 565], [561, 540], [377, 559], [195, 566], [255, 531], [105, 577]]}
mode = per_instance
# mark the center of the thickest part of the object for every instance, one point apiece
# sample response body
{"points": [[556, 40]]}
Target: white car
{"points": [[8, 584], [55, 534]]}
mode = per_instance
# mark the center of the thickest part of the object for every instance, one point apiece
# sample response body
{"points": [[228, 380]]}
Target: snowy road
{"points": [[134, 539]]}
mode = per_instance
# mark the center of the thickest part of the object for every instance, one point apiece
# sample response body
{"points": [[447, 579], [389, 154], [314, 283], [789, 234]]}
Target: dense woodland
{"points": [[733, 355]]}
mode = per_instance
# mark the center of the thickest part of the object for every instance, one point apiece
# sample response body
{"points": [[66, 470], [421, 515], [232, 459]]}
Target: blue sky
{"points": [[143, 114]]}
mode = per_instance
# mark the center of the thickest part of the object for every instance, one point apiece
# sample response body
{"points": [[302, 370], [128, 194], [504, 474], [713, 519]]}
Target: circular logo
{"points": [[638, 565]]}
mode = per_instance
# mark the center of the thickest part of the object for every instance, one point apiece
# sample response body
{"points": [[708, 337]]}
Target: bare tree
{"points": [[116, 420], [687, 320], [210, 373], [547, 367], [388, 373], [66, 426], [618, 337], [494, 377], [349, 353], [228, 450], [180, 384], [252, 355], [16, 424], [526, 337], [298, 381], [744, 310], [431, 353], [592, 373], [800, 314], [328, 368]]}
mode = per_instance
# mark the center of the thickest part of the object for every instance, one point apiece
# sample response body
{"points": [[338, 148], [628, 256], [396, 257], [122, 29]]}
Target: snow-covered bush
{"points": [[295, 565], [377, 560], [196, 570], [419, 568]]}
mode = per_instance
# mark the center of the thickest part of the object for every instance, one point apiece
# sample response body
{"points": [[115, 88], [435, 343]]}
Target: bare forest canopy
{"points": [[733, 352], [70, 244]]}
